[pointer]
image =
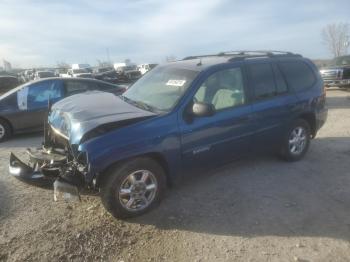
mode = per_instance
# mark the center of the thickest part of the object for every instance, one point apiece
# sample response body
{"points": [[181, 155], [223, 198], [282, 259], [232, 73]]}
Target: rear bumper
{"points": [[321, 118]]}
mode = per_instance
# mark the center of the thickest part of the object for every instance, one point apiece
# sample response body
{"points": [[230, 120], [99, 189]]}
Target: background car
{"points": [[107, 74], [144, 68], [127, 72], [337, 73], [25, 108], [43, 74], [80, 72], [7, 83]]}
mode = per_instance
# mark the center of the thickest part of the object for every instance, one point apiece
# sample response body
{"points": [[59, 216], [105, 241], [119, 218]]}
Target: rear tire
{"points": [[133, 188], [5, 130], [296, 141]]}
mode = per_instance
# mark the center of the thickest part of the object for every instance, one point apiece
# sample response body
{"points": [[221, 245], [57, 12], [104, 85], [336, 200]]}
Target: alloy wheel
{"points": [[297, 140], [138, 190], [2, 131]]}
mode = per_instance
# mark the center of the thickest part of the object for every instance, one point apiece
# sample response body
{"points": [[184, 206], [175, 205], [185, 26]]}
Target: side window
{"points": [[40, 93], [262, 80], [76, 87], [281, 86], [223, 89], [298, 74]]}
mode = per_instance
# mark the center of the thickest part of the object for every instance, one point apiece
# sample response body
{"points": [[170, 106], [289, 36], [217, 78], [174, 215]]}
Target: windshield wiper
{"points": [[146, 106], [140, 104]]}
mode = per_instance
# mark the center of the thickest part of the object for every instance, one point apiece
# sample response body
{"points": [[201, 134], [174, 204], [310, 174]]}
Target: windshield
{"points": [[161, 88], [342, 60]]}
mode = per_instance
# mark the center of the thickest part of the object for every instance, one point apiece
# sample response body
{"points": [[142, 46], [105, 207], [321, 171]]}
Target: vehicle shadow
{"points": [[265, 196]]}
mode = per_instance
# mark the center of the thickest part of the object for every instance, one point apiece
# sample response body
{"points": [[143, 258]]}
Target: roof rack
{"points": [[242, 54]]}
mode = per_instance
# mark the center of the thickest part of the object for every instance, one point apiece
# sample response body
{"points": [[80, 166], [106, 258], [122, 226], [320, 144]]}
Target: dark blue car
{"points": [[191, 114], [25, 108]]}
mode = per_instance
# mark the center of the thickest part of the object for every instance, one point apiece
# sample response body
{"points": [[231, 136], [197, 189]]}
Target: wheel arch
{"points": [[310, 118], [156, 156], [8, 122]]}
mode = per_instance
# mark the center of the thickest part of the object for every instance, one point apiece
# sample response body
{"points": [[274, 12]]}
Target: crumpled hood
{"points": [[79, 114]]}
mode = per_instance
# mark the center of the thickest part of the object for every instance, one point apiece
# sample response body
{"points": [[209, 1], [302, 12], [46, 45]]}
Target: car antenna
{"points": [[200, 62]]}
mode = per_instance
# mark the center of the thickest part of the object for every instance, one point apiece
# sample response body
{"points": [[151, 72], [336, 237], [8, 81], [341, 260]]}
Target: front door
{"points": [[209, 141]]}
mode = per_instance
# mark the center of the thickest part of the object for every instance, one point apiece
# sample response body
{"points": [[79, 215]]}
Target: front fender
{"points": [[160, 137]]}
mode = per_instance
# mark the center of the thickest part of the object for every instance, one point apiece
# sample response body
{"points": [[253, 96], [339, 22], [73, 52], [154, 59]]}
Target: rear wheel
{"points": [[296, 141], [133, 188], [5, 130]]}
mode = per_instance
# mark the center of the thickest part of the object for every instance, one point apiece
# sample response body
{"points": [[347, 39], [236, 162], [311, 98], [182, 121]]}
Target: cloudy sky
{"points": [[43, 32]]}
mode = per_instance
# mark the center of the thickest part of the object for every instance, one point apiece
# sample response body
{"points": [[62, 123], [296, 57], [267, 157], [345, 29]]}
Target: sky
{"points": [[45, 32]]}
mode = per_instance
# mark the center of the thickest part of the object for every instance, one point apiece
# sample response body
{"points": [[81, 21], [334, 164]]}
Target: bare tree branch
{"points": [[336, 37]]}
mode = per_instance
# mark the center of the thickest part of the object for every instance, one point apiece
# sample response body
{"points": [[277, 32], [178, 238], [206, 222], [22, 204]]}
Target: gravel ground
{"points": [[258, 209]]}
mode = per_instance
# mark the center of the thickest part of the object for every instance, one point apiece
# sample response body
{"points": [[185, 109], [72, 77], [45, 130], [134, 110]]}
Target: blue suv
{"points": [[191, 114]]}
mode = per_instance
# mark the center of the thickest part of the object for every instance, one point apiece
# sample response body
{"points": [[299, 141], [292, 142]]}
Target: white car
{"points": [[83, 72], [144, 68]]}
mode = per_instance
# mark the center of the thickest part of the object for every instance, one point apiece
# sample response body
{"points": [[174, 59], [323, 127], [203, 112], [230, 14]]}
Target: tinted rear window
{"points": [[263, 83], [298, 74]]}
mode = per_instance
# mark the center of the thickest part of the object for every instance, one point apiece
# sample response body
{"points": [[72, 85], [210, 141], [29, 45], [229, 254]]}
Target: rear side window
{"points": [[76, 87], [298, 74], [262, 80]]}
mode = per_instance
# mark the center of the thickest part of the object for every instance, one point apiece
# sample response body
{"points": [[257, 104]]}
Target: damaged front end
{"points": [[55, 163]]}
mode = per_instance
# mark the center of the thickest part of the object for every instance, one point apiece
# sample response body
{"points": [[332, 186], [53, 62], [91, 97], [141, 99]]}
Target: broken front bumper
{"points": [[28, 174], [47, 169]]}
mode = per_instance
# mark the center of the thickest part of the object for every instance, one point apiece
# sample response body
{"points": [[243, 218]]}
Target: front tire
{"points": [[5, 130], [297, 140], [133, 188]]}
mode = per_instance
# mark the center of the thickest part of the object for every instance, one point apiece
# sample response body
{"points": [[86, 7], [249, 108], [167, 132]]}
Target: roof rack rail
{"points": [[198, 56], [242, 54], [256, 52]]}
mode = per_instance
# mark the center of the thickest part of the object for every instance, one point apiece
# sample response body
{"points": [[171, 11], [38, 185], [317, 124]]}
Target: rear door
{"points": [[272, 103]]}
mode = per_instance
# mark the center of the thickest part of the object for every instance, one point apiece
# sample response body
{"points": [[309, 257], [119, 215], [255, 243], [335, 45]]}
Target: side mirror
{"points": [[201, 109]]}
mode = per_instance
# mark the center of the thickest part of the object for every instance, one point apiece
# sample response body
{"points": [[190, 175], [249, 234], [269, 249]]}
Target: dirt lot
{"points": [[259, 209]]}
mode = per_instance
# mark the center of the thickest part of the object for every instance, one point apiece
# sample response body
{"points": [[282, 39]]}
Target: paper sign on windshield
{"points": [[173, 82]]}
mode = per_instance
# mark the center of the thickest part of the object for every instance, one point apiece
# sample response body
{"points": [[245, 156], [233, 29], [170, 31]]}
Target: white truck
{"points": [[79, 70]]}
